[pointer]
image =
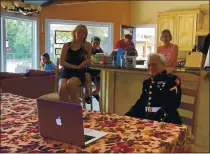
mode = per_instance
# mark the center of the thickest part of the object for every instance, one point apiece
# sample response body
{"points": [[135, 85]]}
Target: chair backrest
{"points": [[198, 79]]}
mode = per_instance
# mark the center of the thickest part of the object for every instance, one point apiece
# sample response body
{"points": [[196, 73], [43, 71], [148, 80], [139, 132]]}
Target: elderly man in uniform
{"points": [[161, 94]]}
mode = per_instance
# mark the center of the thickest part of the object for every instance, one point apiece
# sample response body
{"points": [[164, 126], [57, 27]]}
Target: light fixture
{"points": [[21, 7]]}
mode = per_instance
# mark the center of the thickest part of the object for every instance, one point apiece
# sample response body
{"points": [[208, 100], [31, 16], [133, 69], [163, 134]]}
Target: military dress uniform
{"points": [[160, 99]]}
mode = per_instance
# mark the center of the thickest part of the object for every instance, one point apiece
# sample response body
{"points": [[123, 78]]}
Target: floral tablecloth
{"points": [[20, 132]]}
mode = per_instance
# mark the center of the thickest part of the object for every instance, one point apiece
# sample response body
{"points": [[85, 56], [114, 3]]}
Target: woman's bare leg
{"points": [[73, 87], [62, 90]]}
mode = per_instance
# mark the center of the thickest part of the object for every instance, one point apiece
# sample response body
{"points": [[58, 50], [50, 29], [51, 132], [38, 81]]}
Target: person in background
{"points": [[95, 74], [74, 58], [124, 43], [169, 50], [205, 49], [45, 63], [161, 94], [95, 42]]}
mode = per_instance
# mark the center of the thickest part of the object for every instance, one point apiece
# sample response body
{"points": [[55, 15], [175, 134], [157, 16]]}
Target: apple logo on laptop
{"points": [[58, 121]]}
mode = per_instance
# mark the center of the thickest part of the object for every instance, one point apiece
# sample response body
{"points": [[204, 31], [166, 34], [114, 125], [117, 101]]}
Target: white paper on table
{"points": [[207, 62]]}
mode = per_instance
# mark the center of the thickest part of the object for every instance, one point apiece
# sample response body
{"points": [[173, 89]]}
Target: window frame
{"points": [[77, 22], [36, 45]]}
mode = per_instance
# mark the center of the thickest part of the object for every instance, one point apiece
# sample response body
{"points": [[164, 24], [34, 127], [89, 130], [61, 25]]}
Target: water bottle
{"points": [[119, 57]]}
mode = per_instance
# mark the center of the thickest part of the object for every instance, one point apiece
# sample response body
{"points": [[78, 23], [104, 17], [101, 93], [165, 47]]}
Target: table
{"points": [[20, 131]]}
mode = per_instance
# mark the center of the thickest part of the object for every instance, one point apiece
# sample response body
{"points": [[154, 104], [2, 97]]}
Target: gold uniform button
{"points": [[153, 82], [161, 119], [150, 87], [150, 92], [150, 98], [164, 114], [149, 103]]}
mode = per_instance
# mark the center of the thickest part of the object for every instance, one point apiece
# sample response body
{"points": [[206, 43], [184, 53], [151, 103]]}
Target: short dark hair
{"points": [[128, 36], [46, 55], [95, 38]]}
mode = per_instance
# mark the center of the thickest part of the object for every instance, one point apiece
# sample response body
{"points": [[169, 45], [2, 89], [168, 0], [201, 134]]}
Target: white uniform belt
{"points": [[152, 109]]}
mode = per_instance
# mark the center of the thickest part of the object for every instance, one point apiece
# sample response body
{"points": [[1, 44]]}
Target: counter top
{"points": [[144, 68]]}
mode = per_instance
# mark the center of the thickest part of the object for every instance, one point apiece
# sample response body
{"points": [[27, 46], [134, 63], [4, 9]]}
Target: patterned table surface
{"points": [[19, 132]]}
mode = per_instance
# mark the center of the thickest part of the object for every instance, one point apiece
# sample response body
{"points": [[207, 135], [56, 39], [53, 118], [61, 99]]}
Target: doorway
{"points": [[19, 49]]}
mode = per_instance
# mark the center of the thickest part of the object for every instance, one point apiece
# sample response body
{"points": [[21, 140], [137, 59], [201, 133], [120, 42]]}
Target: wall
{"points": [[115, 12], [145, 12]]}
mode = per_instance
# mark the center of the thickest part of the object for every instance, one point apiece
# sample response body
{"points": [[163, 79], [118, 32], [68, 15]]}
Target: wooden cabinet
{"points": [[167, 22], [183, 26], [186, 31]]}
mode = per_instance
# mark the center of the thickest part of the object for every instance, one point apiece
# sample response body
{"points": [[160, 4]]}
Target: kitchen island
{"points": [[121, 88]]}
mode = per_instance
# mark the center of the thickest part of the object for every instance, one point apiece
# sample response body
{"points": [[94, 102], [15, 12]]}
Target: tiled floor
{"points": [[95, 105]]}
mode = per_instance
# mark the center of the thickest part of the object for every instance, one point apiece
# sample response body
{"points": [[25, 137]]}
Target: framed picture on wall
{"points": [[62, 36], [58, 51]]}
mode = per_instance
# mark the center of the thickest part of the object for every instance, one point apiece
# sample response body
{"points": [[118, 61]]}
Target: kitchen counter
{"points": [[144, 68], [121, 88]]}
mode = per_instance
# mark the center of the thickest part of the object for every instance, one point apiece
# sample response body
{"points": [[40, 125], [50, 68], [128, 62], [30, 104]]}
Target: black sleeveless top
{"points": [[75, 58]]}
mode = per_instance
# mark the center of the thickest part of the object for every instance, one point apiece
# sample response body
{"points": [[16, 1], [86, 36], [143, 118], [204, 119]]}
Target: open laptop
{"points": [[64, 122]]}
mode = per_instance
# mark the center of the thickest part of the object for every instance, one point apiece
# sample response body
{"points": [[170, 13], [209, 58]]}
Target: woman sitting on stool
{"points": [[74, 58]]}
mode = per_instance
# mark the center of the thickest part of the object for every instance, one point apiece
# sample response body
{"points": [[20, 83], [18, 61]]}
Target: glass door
{"points": [[19, 50], [128, 30]]}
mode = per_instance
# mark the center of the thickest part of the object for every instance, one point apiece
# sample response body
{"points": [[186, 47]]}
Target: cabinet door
{"points": [[186, 31], [167, 22]]}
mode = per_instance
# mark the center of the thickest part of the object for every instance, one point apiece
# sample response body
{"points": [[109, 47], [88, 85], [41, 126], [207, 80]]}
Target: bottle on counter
{"points": [[119, 57]]}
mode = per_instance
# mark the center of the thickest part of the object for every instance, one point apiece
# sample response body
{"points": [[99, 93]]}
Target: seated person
{"points": [[95, 74], [75, 56], [125, 43], [161, 94], [45, 63], [169, 50]]}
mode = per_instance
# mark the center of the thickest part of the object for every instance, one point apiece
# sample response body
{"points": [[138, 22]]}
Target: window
{"points": [[19, 50], [145, 39], [58, 32]]}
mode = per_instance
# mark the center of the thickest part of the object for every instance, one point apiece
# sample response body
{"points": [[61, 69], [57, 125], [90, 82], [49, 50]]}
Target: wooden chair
{"points": [[198, 79], [55, 95]]}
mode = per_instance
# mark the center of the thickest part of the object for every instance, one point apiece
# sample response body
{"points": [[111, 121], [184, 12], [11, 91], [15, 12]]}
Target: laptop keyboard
{"points": [[87, 138]]}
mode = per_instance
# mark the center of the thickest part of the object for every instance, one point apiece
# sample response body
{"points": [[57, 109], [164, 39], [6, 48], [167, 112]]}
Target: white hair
{"points": [[161, 56]]}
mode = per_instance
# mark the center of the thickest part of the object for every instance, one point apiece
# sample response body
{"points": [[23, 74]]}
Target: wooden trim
{"points": [[189, 92], [187, 106], [205, 8], [179, 12], [187, 77], [102, 91], [79, 2], [187, 121]]}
